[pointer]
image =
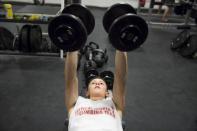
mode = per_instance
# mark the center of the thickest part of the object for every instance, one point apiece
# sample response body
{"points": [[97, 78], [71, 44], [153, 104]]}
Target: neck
{"points": [[95, 98]]}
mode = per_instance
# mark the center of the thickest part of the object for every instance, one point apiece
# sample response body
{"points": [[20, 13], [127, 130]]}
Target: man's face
{"points": [[97, 89]]}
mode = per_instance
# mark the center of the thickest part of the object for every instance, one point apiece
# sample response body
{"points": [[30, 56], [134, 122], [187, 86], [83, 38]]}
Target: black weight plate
{"points": [[83, 13], [24, 45], [59, 37], [6, 39], [54, 49], [139, 35], [90, 74], [180, 40], [16, 44], [190, 48], [44, 47], [35, 38], [108, 76], [193, 13], [114, 12]]}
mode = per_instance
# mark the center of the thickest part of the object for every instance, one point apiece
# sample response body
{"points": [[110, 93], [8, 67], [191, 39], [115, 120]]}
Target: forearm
{"points": [[71, 87], [120, 79], [71, 66], [121, 65]]}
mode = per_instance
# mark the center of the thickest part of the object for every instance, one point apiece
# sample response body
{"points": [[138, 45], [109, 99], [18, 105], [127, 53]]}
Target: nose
{"points": [[97, 83]]}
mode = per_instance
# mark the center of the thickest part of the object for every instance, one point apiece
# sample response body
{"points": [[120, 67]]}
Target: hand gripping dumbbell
{"points": [[127, 31], [69, 30]]}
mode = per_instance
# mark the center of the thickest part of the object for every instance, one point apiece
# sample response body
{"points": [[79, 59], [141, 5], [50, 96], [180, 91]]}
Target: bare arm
{"points": [[71, 89], [120, 79]]}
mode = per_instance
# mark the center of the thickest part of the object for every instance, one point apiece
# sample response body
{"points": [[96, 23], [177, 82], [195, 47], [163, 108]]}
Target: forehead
{"points": [[97, 80]]}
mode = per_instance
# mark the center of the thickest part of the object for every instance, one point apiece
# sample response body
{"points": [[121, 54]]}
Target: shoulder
{"points": [[79, 100], [115, 105]]}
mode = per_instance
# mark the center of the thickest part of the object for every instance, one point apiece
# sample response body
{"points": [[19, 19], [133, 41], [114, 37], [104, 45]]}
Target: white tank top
{"points": [[89, 115]]}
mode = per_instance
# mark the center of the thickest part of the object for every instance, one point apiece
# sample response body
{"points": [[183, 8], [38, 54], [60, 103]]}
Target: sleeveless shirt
{"points": [[89, 115]]}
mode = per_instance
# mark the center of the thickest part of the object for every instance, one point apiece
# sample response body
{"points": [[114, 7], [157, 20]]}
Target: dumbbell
{"points": [[69, 30], [90, 74], [190, 48], [89, 64], [126, 30], [89, 48], [181, 40], [108, 76], [100, 57]]}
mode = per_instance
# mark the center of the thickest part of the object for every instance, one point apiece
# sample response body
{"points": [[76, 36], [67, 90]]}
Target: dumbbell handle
{"points": [[90, 56]]}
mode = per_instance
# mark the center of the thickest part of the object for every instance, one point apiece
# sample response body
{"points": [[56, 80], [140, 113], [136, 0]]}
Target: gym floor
{"points": [[161, 87]]}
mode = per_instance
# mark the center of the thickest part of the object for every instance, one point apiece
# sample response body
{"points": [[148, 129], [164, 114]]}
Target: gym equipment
{"points": [[190, 48], [99, 57], [89, 64], [24, 45], [9, 11], [89, 75], [89, 48], [155, 2], [194, 13], [6, 39], [108, 76], [69, 30], [76, 1], [34, 17], [127, 31], [94, 55], [30, 38], [180, 40], [54, 48], [44, 47], [83, 14], [35, 38], [39, 2], [181, 9]]}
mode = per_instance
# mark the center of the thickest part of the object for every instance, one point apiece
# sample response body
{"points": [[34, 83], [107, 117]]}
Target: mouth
{"points": [[97, 87]]}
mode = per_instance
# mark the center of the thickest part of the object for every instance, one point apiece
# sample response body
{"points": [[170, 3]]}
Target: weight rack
{"points": [[167, 24], [62, 5]]}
